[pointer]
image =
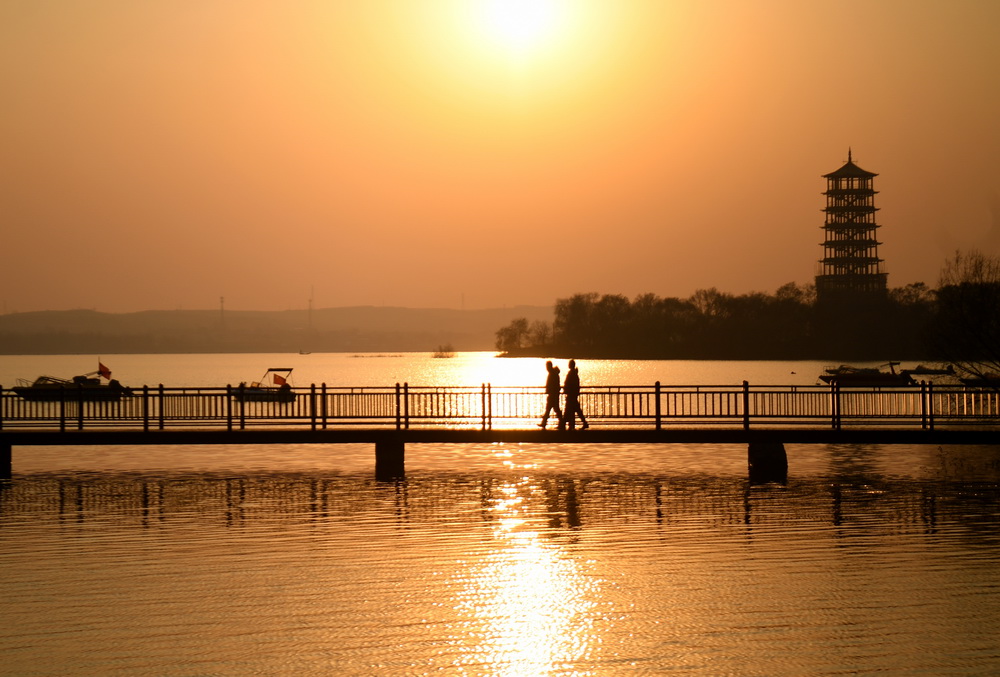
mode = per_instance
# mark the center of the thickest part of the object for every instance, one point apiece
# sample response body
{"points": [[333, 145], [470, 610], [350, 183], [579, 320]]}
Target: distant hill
{"points": [[354, 329]]}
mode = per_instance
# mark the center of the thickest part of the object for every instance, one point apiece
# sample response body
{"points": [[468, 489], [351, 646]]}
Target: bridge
{"points": [[763, 417]]}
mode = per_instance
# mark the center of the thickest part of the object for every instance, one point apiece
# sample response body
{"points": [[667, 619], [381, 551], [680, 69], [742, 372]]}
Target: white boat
{"points": [[273, 386]]}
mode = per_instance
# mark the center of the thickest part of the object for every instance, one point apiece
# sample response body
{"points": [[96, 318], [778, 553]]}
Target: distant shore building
{"points": [[850, 272]]}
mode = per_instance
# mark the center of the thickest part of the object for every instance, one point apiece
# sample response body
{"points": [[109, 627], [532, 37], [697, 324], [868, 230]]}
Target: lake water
{"points": [[496, 560]]}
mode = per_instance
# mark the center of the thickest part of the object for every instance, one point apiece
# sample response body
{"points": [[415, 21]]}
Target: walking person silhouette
{"points": [[571, 386], [552, 396]]}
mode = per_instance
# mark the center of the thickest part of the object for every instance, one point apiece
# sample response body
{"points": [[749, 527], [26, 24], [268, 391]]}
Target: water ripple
{"points": [[539, 572]]}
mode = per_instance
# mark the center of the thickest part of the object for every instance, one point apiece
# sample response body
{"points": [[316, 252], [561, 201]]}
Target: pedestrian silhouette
{"points": [[572, 389], [552, 396]]}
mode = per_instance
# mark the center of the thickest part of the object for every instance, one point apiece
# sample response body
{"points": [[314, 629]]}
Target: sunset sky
{"points": [[465, 153]]}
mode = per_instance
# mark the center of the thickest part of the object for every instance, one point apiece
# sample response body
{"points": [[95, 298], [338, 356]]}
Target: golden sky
{"points": [[478, 153]]}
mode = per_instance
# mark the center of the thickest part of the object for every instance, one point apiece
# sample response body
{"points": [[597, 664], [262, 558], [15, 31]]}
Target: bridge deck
{"points": [[488, 408], [764, 417], [132, 437]]}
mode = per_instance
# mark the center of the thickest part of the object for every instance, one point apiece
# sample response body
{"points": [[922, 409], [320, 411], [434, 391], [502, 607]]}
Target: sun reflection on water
{"points": [[531, 601]]}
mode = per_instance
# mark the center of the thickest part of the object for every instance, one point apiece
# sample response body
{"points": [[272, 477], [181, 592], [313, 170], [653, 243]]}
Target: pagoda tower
{"points": [[851, 271]]}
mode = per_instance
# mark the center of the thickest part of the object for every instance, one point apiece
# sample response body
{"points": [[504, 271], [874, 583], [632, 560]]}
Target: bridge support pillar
{"points": [[390, 462], [767, 462], [6, 461]]}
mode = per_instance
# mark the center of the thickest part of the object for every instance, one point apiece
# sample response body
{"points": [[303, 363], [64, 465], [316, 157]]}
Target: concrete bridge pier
{"points": [[6, 461], [390, 460], [767, 462]]}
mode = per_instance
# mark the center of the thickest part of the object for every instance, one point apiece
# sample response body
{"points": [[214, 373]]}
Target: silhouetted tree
{"points": [[573, 326], [966, 328], [540, 333], [801, 295], [610, 320], [715, 325], [914, 295], [711, 303], [660, 327], [512, 337]]}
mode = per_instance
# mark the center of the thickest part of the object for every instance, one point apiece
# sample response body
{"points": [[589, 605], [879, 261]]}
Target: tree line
{"points": [[956, 322]]}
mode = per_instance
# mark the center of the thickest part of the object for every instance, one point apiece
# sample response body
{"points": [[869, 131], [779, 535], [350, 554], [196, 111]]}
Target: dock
{"points": [[765, 418]]}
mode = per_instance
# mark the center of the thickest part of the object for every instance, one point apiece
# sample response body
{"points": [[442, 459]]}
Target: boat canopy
{"points": [[273, 377]]}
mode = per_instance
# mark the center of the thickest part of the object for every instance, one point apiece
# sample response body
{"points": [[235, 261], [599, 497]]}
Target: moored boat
{"points": [[846, 375], [273, 386], [983, 381], [923, 370], [84, 387]]}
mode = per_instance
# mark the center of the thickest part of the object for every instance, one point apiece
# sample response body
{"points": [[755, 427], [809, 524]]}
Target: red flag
{"points": [[279, 380], [103, 371]]}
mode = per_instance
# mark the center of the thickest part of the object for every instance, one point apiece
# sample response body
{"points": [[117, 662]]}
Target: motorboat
{"points": [[846, 375], [923, 370], [991, 380], [88, 386], [273, 386]]}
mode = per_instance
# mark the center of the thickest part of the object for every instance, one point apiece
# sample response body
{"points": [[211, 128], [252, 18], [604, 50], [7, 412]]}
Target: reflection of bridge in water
{"points": [[763, 417], [553, 504]]}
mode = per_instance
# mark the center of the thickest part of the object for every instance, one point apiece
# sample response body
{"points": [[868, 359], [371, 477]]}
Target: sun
{"points": [[491, 54], [520, 27]]}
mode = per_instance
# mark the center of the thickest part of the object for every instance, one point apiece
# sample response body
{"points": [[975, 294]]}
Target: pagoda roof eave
{"points": [[850, 170]]}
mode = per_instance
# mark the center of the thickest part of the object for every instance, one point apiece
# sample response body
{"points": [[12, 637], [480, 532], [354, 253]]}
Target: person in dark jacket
{"points": [[552, 396], [571, 387]]}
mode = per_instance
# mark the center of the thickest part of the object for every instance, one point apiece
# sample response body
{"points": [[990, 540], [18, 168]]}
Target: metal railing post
{"points": [[79, 406], [746, 405], [229, 407], [323, 412], [930, 405], [399, 417], [835, 394], [162, 407], [406, 405], [243, 407], [659, 420], [482, 391], [923, 405], [312, 406], [145, 408]]}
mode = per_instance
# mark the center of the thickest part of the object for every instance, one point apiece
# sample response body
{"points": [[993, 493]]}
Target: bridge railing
{"points": [[406, 406]]}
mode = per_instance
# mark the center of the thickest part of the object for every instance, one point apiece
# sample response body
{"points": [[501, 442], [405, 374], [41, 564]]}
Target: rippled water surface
{"points": [[503, 560]]}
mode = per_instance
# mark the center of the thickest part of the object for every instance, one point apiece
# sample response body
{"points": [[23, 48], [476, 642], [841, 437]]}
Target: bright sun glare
{"points": [[520, 26]]}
